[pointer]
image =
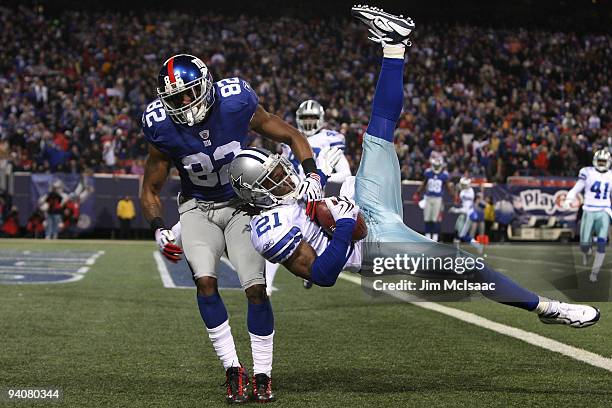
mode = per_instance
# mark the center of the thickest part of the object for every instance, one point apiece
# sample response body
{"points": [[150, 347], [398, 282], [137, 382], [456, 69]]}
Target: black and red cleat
{"points": [[262, 389], [237, 382]]}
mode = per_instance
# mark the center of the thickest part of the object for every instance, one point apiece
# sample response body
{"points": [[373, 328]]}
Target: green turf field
{"points": [[118, 338]]}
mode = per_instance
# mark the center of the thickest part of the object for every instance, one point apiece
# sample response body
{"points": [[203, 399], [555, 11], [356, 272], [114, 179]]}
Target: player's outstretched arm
{"points": [[274, 128], [157, 167]]}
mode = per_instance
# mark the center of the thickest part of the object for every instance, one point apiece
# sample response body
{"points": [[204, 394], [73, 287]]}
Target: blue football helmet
{"points": [[185, 88]]}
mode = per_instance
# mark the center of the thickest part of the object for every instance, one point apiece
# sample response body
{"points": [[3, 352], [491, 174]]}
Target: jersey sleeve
{"points": [[337, 140], [428, 173], [274, 236], [583, 174], [155, 126]]}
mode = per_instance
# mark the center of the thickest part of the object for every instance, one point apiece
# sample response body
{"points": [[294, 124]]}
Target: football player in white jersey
{"points": [[282, 230], [310, 120], [466, 213], [596, 181]]}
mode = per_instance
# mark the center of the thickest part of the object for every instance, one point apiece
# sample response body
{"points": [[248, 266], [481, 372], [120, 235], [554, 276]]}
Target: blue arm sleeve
{"points": [[326, 268]]}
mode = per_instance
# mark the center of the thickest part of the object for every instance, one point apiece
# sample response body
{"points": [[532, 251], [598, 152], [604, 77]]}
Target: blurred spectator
{"points": [[10, 228], [70, 219], [126, 213], [489, 216], [35, 227]]}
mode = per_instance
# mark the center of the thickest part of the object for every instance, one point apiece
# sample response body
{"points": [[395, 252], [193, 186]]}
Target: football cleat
{"points": [[262, 389], [307, 284], [577, 316], [237, 383], [385, 28]]}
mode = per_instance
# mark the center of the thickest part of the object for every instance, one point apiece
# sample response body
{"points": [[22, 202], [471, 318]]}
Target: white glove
{"points": [[343, 207], [567, 204], [165, 240], [310, 188], [328, 158]]}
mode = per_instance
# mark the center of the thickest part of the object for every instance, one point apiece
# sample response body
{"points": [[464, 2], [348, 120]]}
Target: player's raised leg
{"points": [[378, 186]]}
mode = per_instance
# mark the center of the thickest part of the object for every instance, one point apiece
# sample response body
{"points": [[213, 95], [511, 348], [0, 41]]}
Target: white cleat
{"points": [[593, 277], [384, 27], [577, 316]]}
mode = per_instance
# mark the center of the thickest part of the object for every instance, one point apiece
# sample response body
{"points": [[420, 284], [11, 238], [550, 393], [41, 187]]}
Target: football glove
{"points": [[567, 204], [310, 188], [165, 240], [328, 158], [344, 207]]}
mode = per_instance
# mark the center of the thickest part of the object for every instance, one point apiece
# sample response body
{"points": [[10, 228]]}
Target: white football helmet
{"points": [[601, 160], [310, 117], [465, 183], [436, 165]]}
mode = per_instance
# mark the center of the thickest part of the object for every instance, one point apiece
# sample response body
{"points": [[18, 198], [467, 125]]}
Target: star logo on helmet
{"points": [[237, 180]]}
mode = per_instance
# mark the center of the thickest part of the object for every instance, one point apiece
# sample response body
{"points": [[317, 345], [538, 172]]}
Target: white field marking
{"points": [[163, 271], [83, 269], [20, 263], [75, 277], [169, 282], [45, 260], [92, 259], [38, 269], [528, 337]]}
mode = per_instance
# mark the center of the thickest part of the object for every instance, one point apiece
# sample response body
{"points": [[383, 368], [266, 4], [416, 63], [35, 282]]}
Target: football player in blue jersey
{"points": [[197, 126], [435, 179], [283, 231]]}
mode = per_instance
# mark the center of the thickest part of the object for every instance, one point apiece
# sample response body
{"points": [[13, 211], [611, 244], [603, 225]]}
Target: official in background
{"points": [[126, 213]]}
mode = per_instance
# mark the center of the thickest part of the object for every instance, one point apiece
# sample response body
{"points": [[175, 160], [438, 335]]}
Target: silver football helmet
{"points": [[263, 179], [602, 160], [465, 183], [310, 117]]}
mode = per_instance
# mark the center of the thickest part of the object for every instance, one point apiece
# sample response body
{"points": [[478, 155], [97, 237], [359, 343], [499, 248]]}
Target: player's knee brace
{"points": [[585, 247]]}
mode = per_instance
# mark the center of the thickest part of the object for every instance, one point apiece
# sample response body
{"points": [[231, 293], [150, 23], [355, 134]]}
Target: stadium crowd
{"points": [[492, 102]]}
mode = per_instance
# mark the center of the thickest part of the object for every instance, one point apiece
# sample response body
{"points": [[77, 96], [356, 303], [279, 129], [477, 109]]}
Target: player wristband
{"points": [[309, 166], [158, 223]]}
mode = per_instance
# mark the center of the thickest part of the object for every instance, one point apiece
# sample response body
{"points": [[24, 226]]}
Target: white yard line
{"points": [[163, 271], [528, 337]]}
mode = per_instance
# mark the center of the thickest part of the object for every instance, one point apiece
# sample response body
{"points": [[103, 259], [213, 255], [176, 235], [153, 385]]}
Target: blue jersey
{"points": [[435, 182], [202, 153]]}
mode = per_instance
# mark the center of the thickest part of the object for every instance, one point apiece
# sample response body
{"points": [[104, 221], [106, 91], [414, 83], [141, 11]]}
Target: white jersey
{"points": [[277, 232], [467, 201], [324, 138], [596, 186]]}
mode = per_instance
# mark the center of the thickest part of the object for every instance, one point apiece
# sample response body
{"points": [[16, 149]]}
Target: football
{"points": [[324, 218]]}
